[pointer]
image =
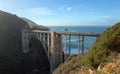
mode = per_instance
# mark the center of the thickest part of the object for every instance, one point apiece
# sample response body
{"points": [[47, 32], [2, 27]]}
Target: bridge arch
{"points": [[28, 43], [35, 48], [27, 35]]}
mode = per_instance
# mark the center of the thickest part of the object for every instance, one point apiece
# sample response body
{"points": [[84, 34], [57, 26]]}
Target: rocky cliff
{"points": [[12, 59]]}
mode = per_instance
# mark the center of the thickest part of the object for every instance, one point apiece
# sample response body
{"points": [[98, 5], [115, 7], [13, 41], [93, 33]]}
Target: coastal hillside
{"points": [[12, 58], [102, 58]]}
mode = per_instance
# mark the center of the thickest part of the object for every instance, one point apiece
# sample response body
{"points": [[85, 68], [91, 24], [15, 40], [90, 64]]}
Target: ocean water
{"points": [[88, 41]]}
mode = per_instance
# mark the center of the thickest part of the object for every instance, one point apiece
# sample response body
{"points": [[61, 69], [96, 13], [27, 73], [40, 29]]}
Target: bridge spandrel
{"points": [[25, 40]]}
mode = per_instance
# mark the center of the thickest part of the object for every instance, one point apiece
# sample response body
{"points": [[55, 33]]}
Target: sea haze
{"points": [[83, 29]]}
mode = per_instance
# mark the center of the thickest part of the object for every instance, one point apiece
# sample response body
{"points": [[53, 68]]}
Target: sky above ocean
{"points": [[65, 12]]}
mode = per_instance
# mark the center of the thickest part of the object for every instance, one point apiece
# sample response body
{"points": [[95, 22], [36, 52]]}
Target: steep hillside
{"points": [[104, 50], [12, 58], [10, 32]]}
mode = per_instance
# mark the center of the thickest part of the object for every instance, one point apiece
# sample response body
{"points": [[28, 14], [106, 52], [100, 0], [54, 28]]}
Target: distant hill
{"points": [[33, 25], [102, 58]]}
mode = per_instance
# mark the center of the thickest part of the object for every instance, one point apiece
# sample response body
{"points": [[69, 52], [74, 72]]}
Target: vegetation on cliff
{"points": [[106, 47]]}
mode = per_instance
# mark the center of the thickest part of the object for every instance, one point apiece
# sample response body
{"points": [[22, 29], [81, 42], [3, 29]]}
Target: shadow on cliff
{"points": [[33, 62], [40, 59]]}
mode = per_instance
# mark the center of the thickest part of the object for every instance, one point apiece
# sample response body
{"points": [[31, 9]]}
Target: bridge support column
{"points": [[52, 56], [55, 51], [58, 50], [82, 44], [65, 50], [69, 46], [48, 45], [78, 45]]}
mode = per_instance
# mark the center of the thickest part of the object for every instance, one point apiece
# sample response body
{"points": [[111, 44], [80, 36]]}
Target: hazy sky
{"points": [[65, 12]]}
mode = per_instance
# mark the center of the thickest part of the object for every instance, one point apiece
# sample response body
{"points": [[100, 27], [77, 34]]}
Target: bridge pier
{"points": [[52, 56], [82, 44], [55, 51], [48, 44], [69, 46], [78, 45]]}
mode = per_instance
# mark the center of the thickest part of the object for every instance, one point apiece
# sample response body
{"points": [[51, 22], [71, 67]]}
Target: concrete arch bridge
{"points": [[52, 43]]}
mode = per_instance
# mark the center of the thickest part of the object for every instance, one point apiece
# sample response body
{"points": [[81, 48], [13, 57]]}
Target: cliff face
{"points": [[10, 32], [102, 55], [12, 59]]}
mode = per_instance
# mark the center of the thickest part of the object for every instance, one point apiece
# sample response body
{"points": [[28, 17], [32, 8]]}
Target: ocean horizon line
{"points": [[80, 26]]}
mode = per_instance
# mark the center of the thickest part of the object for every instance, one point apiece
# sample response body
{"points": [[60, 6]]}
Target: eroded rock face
{"points": [[12, 59]]}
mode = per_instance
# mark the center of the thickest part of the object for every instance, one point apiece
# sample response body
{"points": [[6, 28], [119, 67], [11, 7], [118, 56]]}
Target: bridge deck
{"points": [[78, 34], [70, 33]]}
